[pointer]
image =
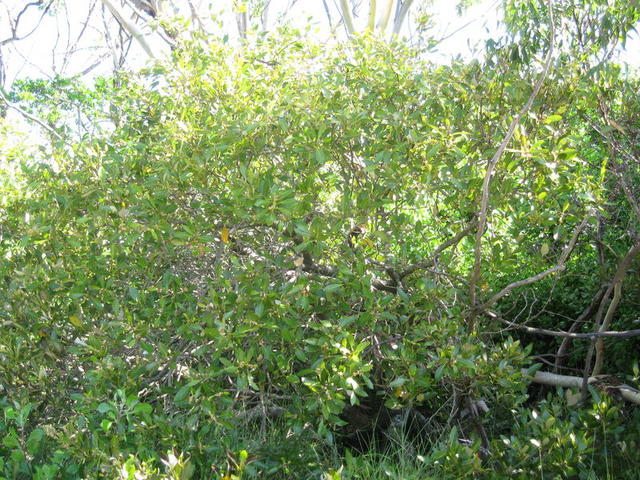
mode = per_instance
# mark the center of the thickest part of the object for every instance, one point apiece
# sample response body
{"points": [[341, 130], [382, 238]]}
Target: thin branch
{"points": [[27, 115], [561, 333], [434, 258], [559, 267], [621, 179], [328, 13], [195, 18], [14, 28], [484, 203], [584, 316]]}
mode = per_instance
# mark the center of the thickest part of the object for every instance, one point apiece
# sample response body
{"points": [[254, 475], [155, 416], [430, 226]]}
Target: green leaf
{"points": [[34, 440], [398, 382], [552, 119], [133, 293], [332, 287]]}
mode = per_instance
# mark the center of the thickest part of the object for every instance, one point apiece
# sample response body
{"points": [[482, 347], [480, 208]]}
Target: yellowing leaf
{"points": [[298, 261], [615, 125], [544, 249], [368, 243], [75, 321], [224, 235]]}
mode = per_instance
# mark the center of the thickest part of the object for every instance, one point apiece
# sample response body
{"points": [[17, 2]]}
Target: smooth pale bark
{"points": [[546, 378], [386, 15], [345, 9], [371, 22], [401, 15], [129, 27]]}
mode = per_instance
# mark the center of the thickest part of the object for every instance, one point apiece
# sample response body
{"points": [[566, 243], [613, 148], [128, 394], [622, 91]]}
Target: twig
{"points": [[14, 28], [425, 265]]}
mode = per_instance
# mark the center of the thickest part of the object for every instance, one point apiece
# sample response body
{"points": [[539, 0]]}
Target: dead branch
{"points": [[14, 25], [561, 333], [546, 378]]}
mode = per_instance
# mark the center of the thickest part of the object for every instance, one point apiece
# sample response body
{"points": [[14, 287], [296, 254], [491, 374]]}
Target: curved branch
{"points": [[616, 286], [561, 265], [27, 115], [484, 202]]}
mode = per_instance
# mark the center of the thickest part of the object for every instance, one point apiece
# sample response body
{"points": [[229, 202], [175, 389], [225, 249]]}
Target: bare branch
{"points": [[616, 286], [401, 14], [27, 115], [14, 27], [585, 315], [560, 266], [195, 18], [561, 333], [345, 10], [484, 202], [130, 27], [630, 394]]}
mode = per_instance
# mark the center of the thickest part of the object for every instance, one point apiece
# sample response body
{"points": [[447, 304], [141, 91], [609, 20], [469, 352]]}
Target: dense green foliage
{"points": [[255, 244]]}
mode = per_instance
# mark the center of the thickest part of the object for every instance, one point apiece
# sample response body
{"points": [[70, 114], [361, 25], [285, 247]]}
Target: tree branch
{"points": [[371, 22], [484, 202], [434, 258], [616, 286], [401, 14], [560, 333], [630, 394], [27, 115], [345, 10], [14, 28], [561, 265], [383, 23], [129, 27]]}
